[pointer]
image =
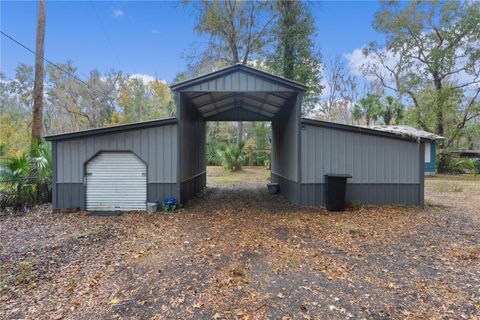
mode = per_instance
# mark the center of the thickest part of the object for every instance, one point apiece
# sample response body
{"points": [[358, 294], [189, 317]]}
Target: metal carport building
{"points": [[89, 166]]}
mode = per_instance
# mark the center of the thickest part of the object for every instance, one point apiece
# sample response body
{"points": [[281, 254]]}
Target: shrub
{"points": [[26, 179], [231, 158], [469, 166], [213, 157]]}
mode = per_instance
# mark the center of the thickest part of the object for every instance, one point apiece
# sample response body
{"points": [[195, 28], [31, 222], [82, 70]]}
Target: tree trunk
{"points": [[37, 120], [239, 133], [439, 104]]}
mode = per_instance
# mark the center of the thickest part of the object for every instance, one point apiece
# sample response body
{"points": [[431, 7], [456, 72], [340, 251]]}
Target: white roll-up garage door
{"points": [[116, 181]]}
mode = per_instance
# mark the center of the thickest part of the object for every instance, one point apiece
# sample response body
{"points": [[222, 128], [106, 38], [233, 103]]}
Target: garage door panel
{"points": [[116, 181]]}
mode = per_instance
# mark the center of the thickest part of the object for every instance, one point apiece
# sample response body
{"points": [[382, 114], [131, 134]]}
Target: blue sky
{"points": [[149, 38]]}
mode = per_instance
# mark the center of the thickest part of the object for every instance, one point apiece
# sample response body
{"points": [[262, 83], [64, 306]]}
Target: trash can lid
{"points": [[335, 175]]}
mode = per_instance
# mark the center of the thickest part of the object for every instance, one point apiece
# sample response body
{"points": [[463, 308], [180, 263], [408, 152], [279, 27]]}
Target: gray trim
{"points": [[421, 173], [237, 67], [360, 130], [190, 188], [288, 188], [194, 176], [283, 177], [112, 129], [378, 194], [54, 175], [160, 191], [298, 102]]}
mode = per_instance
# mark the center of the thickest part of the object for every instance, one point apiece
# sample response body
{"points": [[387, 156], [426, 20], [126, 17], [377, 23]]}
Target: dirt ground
{"points": [[240, 253]]}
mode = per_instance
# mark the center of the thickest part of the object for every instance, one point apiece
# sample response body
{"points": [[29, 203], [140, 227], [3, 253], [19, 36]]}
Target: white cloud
{"points": [[118, 13], [146, 79], [356, 60], [358, 63]]}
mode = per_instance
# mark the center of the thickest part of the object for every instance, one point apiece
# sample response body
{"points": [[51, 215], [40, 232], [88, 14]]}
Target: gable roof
{"points": [[238, 77]]}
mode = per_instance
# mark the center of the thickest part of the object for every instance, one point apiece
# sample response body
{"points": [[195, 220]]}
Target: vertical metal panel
{"points": [[159, 145], [384, 170], [286, 157], [191, 133], [72, 154], [237, 81], [421, 173], [54, 174], [373, 159]]}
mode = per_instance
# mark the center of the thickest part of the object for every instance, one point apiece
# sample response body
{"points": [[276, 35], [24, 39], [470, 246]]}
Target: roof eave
{"points": [[112, 129], [360, 130]]}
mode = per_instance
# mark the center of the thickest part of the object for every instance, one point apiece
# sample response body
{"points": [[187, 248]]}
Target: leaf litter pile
{"points": [[243, 254]]}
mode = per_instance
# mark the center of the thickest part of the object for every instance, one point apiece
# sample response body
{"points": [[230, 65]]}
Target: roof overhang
{"points": [[248, 93], [259, 106], [112, 129], [361, 130]]}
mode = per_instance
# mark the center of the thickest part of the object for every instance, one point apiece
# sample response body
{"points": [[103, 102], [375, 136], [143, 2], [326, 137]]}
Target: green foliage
{"points": [[392, 109], [370, 108], [26, 179], [232, 157], [436, 49], [17, 187], [213, 156], [294, 54], [469, 165], [140, 101], [237, 30]]}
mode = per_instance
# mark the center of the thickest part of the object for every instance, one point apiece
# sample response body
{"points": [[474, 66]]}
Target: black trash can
{"points": [[335, 189]]}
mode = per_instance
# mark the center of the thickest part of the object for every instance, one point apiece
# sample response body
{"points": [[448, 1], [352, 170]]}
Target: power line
{"points": [[51, 63], [104, 32]]}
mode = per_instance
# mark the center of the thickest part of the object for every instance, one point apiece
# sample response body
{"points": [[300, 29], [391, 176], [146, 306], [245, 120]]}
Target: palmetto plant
{"points": [[231, 157], [26, 179], [16, 185]]}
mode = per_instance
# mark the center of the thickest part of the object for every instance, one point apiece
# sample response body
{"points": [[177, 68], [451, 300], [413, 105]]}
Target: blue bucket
{"points": [[170, 204]]}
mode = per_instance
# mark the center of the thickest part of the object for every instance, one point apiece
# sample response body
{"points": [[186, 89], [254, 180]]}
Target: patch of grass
{"points": [[294, 260], [448, 187], [293, 219], [90, 233], [351, 227], [248, 174], [469, 253], [435, 207]]}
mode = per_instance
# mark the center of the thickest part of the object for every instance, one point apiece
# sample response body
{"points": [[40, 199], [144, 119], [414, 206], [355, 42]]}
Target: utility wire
{"points": [[51, 63], [105, 32]]}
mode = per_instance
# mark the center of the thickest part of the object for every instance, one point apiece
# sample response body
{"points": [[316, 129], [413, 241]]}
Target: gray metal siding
{"points": [[289, 189], [285, 150], [157, 146], [192, 144], [384, 170], [238, 81], [393, 193], [369, 159]]}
